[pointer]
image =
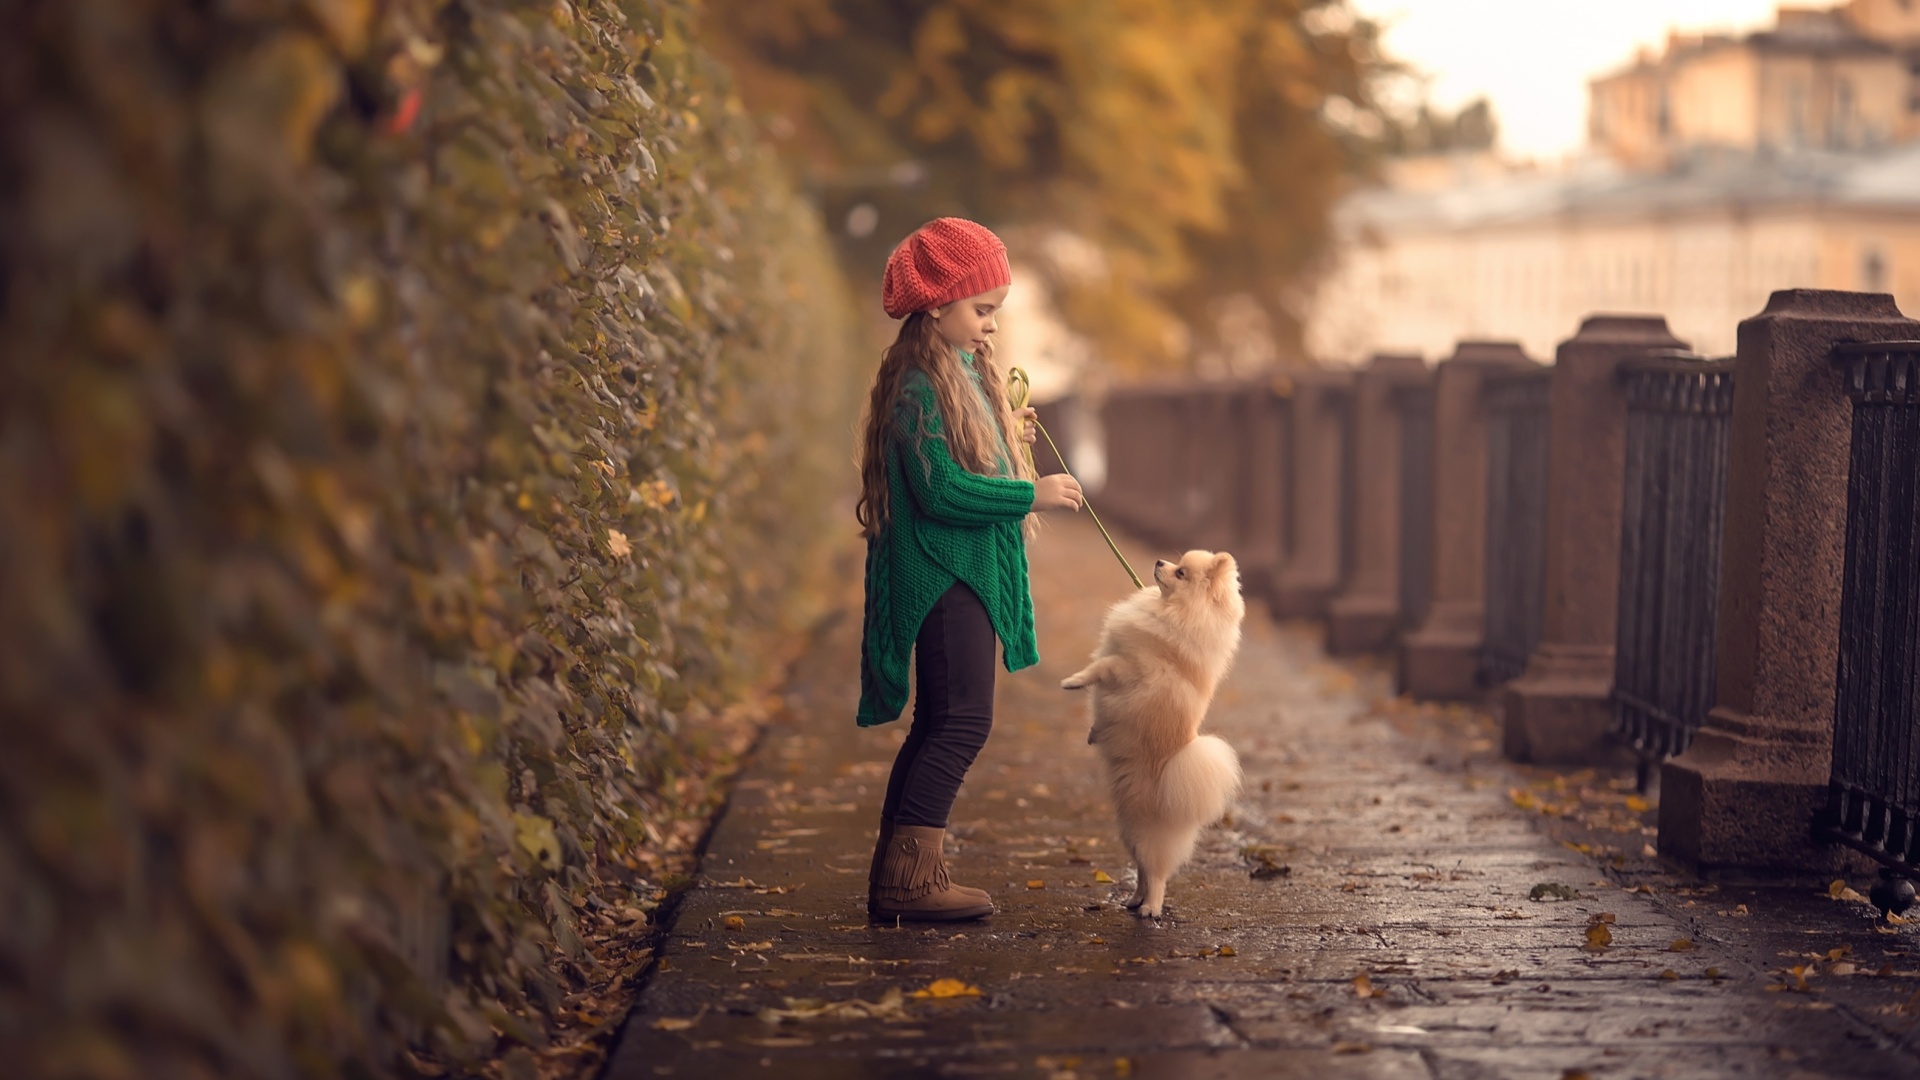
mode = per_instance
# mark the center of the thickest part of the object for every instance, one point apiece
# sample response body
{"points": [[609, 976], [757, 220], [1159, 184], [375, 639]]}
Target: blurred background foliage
{"points": [[422, 430], [1165, 162]]}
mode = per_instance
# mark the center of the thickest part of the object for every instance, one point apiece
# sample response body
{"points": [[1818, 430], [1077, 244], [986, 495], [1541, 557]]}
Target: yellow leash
{"points": [[1019, 390]]}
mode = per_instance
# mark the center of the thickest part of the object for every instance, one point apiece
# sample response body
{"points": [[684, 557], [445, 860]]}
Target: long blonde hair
{"points": [[969, 434]]}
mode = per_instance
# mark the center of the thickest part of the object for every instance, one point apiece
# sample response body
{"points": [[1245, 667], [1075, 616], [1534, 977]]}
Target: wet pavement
{"points": [[1369, 912]]}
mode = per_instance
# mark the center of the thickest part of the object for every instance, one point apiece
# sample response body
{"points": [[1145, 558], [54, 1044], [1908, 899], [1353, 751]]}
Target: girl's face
{"points": [[967, 324]]}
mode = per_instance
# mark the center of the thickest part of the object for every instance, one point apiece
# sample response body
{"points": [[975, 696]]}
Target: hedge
{"points": [[420, 423]]}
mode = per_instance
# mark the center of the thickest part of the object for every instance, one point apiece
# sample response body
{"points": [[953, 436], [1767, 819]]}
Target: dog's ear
{"points": [[1224, 575]]}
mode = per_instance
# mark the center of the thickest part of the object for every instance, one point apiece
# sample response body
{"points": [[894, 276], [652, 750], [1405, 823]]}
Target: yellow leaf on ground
{"points": [[1102, 877], [1681, 945], [1228, 950], [672, 1023], [617, 544], [735, 922], [947, 988], [1598, 937], [1669, 975], [1036, 883], [1839, 891], [1351, 1048]]}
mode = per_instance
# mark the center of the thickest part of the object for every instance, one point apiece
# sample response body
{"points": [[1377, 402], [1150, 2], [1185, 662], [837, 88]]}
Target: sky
{"points": [[1533, 58]]}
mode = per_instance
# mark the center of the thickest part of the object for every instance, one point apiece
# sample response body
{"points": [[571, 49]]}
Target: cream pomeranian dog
{"points": [[1162, 653]]}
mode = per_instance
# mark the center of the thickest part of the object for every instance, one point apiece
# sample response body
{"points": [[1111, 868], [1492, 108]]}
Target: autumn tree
{"points": [[1154, 157]]}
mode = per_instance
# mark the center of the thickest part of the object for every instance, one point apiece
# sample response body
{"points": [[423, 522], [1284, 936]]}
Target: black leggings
{"points": [[952, 710]]}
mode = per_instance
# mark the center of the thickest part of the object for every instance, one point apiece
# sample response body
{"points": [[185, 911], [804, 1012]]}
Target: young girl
{"points": [[943, 502]]}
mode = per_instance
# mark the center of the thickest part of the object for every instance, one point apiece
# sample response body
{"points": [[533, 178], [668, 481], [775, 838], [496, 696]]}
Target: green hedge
{"points": [[416, 420]]}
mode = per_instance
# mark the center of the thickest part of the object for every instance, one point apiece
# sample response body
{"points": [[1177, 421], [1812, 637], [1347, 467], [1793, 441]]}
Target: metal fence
{"points": [[1673, 505], [1416, 502], [1516, 407], [1873, 800]]}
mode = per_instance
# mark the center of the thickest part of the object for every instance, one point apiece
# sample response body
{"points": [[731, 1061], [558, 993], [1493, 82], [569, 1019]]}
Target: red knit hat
{"points": [[946, 259]]}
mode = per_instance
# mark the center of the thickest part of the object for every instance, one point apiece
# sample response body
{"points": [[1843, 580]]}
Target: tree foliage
{"points": [[1196, 146], [409, 414]]}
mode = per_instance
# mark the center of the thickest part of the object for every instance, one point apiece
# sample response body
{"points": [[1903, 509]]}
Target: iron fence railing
{"points": [[1516, 407], [1416, 502], [1873, 801], [1673, 505]]}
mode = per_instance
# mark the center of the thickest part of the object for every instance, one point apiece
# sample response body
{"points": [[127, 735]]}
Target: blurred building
{"points": [[1723, 168]]}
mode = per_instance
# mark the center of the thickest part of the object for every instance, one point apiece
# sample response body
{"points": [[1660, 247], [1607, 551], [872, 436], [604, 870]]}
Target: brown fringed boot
{"points": [[910, 879]]}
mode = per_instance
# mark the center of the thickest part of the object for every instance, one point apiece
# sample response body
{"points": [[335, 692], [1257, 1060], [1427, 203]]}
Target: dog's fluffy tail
{"points": [[1200, 781]]}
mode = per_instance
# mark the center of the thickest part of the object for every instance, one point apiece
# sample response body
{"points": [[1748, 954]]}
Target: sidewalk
{"points": [[1399, 940]]}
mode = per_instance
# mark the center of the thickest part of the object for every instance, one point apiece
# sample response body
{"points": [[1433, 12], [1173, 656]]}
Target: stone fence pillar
{"points": [[1261, 546], [1441, 657], [1366, 614], [1558, 711], [1217, 464], [1745, 792], [1310, 576]]}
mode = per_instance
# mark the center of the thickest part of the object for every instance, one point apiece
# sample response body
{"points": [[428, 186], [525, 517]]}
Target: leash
{"points": [[1019, 390]]}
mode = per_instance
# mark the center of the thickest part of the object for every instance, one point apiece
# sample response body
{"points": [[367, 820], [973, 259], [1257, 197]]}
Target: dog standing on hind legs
{"points": [[1162, 653]]}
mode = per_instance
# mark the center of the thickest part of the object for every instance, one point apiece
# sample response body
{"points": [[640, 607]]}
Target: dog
{"points": [[1162, 653]]}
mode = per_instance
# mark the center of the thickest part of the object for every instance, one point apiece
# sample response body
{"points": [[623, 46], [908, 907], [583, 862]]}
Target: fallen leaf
{"points": [[1227, 950], [672, 1023], [1363, 988], [1842, 968], [735, 922], [1598, 937], [1669, 975], [1839, 891], [618, 545], [1681, 945], [1101, 877], [1036, 883], [1553, 890], [947, 988], [1638, 805], [1351, 1048], [1503, 977], [1712, 973], [1840, 953], [1265, 865], [891, 1006]]}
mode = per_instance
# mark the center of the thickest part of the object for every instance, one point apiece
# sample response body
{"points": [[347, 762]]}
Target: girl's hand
{"points": [[1057, 492], [1030, 423]]}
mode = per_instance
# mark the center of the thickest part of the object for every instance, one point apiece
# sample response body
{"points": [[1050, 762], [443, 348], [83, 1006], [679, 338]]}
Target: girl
{"points": [[943, 502]]}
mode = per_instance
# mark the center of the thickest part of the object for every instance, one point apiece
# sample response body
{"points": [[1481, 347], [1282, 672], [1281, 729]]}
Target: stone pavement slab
{"points": [[1400, 940]]}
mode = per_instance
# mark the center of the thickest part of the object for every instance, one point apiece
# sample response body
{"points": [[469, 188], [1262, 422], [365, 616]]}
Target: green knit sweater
{"points": [[945, 524]]}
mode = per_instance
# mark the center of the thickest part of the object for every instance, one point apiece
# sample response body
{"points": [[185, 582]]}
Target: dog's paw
{"points": [[1149, 911], [1074, 682], [1133, 903]]}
